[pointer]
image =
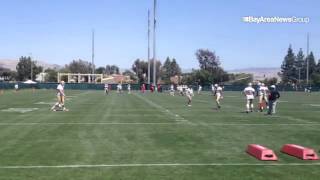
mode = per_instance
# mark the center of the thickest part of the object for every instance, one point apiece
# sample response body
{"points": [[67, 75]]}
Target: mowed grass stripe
{"points": [[161, 109], [212, 136], [156, 165], [156, 123]]}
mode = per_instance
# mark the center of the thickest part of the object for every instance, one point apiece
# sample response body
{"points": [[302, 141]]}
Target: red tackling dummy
{"points": [[262, 153], [300, 152]]}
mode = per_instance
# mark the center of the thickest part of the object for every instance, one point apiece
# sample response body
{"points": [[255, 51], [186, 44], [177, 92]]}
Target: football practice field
{"points": [[152, 137]]}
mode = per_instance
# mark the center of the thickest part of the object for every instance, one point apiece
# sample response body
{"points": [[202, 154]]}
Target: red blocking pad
{"points": [[262, 153], [300, 152]]}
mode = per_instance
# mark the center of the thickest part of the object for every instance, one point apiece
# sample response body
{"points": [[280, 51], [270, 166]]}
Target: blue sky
{"points": [[59, 31]]}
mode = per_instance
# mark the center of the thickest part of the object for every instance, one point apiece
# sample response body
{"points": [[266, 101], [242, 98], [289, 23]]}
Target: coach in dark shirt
{"points": [[273, 97]]}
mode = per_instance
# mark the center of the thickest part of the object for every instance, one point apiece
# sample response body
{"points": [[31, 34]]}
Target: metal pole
{"points": [[154, 42], [92, 57], [149, 68], [31, 66], [308, 59]]}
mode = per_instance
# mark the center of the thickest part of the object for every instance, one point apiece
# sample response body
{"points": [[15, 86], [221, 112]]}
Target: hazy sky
{"points": [[58, 31]]}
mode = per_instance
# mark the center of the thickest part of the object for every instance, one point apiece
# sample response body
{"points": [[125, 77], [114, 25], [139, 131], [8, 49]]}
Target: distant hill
{"points": [[259, 73], [11, 64]]}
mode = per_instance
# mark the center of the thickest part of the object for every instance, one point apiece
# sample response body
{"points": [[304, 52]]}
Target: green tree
{"points": [[108, 69], [315, 77], [318, 67], [131, 74], [79, 66], [300, 65], [202, 77], [165, 70], [207, 59], [170, 69], [205, 77], [270, 81], [7, 75], [100, 70], [158, 70], [210, 70], [140, 68], [24, 69], [175, 68], [115, 69], [51, 76], [287, 68], [112, 69], [189, 78], [312, 63]]}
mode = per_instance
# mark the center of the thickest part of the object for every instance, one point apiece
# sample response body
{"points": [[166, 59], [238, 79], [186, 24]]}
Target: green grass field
{"points": [[152, 137]]}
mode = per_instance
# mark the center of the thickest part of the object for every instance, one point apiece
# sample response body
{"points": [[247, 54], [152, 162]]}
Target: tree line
{"points": [[170, 71], [294, 68], [209, 71]]}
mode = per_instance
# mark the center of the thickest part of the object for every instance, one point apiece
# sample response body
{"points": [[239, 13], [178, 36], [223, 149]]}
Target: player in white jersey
{"points": [[61, 97], [213, 89], [129, 88], [119, 88], [199, 89], [16, 87], [172, 90], [249, 93], [218, 93], [106, 89], [180, 90], [263, 96], [189, 94], [258, 87], [191, 91], [185, 87]]}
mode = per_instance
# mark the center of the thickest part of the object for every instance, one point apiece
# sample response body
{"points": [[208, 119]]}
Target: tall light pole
{"points": [[154, 41], [31, 67], [149, 68], [308, 59], [92, 55]]}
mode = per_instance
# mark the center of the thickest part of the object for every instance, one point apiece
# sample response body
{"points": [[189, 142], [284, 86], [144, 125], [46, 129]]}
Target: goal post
{"points": [[79, 78]]}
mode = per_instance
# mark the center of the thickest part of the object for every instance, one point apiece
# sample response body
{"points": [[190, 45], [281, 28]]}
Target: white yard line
{"points": [[299, 120], [85, 124], [279, 101], [155, 165], [72, 96], [172, 115], [312, 105], [19, 110], [45, 103], [295, 119], [265, 124], [201, 101], [155, 123]]}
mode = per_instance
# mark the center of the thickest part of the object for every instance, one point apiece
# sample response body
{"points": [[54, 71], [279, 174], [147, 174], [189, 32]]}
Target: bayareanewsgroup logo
{"points": [[275, 19]]}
